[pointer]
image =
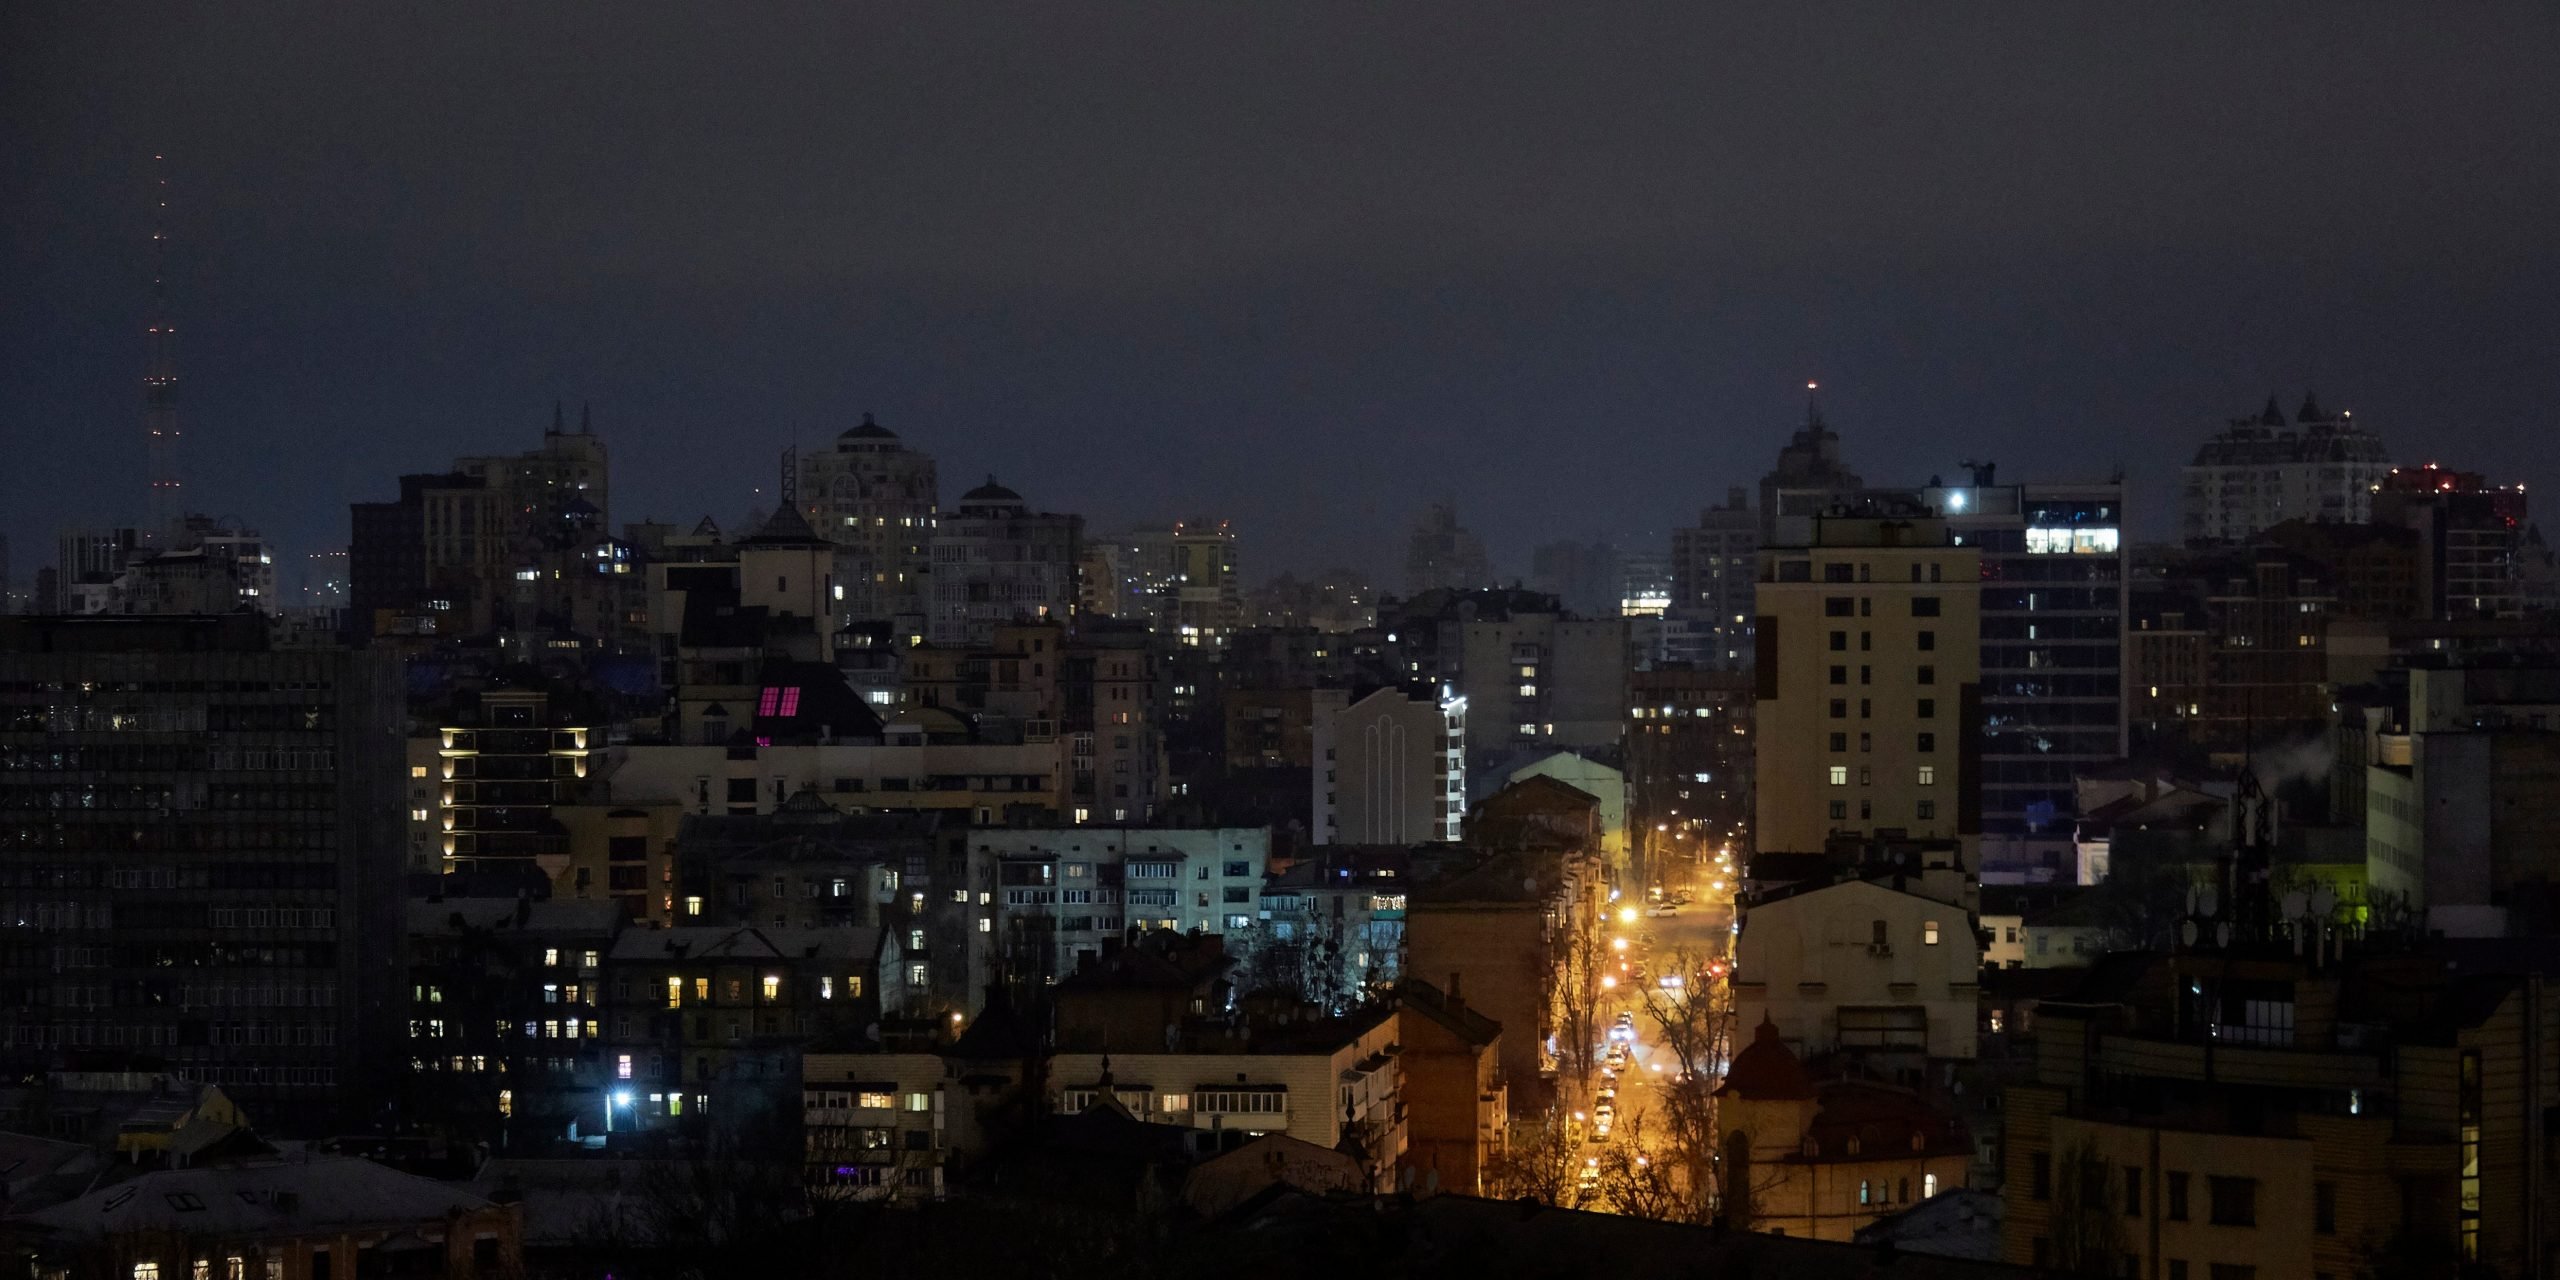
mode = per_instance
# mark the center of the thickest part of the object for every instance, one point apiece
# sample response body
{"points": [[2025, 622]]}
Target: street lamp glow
{"points": [[622, 1097], [1617, 944], [1608, 983], [1626, 915]]}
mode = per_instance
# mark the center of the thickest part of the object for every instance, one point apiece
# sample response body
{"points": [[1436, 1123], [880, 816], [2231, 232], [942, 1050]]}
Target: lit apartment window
{"points": [[1839, 775], [1929, 933], [1928, 775], [826, 987], [1528, 691], [772, 987], [675, 993], [622, 1067]]}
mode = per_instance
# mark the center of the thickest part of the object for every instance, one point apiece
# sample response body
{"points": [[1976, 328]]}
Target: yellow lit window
{"points": [[772, 987], [675, 993]]}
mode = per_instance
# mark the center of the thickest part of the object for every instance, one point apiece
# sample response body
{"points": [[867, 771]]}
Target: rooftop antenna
{"points": [[1812, 403], [160, 369]]}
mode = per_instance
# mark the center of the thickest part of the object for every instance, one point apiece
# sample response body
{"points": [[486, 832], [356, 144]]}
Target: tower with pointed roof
{"points": [[786, 568], [1809, 460]]}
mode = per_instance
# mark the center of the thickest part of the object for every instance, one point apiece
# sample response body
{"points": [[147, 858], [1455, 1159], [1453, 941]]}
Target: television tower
{"points": [[160, 372]]}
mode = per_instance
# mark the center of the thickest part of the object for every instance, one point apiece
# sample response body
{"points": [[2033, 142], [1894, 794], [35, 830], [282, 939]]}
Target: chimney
{"points": [[1457, 995]]}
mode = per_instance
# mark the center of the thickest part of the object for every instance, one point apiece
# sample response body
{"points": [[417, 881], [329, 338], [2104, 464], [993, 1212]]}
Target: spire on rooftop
{"points": [[2271, 416]]}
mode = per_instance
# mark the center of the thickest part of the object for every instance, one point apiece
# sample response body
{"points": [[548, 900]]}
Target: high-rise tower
{"points": [[160, 371]]}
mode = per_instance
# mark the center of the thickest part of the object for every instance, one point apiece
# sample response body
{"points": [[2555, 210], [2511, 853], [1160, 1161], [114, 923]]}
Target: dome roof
{"points": [[1767, 1068], [869, 430], [991, 492]]}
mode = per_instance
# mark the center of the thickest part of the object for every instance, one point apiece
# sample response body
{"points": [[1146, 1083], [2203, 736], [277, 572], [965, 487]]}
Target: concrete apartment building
{"points": [[1542, 681], [1390, 766], [2052, 610], [1065, 891], [1689, 769], [1865, 969], [208, 845], [2260, 472], [1715, 572], [1495, 929], [1458, 1106], [2462, 799], [1869, 658], [704, 1023], [2235, 1112], [878, 500], [996, 561]]}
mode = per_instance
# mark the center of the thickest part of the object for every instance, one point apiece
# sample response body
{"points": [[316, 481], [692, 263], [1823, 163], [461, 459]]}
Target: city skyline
{"points": [[1573, 284]]}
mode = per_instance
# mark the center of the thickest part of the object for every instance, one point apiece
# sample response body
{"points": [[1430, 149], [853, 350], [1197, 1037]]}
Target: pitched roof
{"points": [[259, 1198]]}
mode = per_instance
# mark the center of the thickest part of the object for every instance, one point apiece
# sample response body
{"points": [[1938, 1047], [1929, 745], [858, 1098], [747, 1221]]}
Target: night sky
{"points": [[1302, 265]]}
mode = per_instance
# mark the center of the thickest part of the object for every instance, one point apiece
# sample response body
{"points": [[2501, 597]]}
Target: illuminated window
{"points": [[1929, 933], [675, 993], [1928, 775], [772, 987], [1839, 775], [875, 1101], [622, 1067]]}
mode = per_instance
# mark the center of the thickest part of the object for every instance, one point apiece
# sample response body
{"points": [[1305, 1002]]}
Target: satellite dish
{"points": [[2187, 932], [2222, 934], [2206, 899], [2294, 903], [2323, 901]]}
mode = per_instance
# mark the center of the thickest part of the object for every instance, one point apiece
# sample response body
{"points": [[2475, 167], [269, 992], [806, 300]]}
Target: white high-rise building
{"points": [[1390, 766], [878, 501], [2260, 472], [995, 561]]}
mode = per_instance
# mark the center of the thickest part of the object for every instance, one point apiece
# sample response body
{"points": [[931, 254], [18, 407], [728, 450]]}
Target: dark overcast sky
{"points": [[1305, 265]]}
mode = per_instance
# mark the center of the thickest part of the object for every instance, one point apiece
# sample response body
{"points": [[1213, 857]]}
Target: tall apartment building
{"points": [[996, 561], [1541, 680], [501, 540], [2259, 472], [1443, 555], [2052, 609], [1715, 567], [489, 769], [2471, 537], [878, 500], [1181, 580], [1390, 766], [201, 838], [1869, 658], [1689, 759], [90, 564]]}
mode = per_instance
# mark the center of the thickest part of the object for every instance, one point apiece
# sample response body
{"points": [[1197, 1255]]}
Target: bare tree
{"points": [[1541, 1163], [1634, 1182], [1694, 1023], [1574, 960], [2088, 1225]]}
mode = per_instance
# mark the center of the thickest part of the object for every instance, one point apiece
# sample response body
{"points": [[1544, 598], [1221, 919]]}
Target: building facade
{"points": [[1867, 678], [1390, 767], [204, 837], [2259, 472], [878, 500]]}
